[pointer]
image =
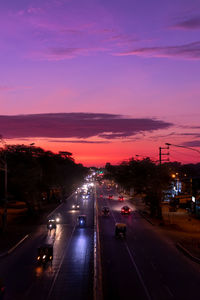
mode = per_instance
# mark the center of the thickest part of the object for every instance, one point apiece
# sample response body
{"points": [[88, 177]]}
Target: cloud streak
{"points": [[189, 24], [76, 125], [78, 142], [186, 51], [192, 144]]}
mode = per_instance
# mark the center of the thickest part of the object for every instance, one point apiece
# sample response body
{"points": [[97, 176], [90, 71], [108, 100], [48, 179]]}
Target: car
{"points": [[105, 211], [125, 210], [75, 206], [120, 230], [57, 218], [51, 224], [45, 254], [81, 220], [121, 198], [110, 196]]}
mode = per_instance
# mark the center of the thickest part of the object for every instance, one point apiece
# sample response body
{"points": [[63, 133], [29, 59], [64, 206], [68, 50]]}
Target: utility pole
{"points": [[161, 153]]}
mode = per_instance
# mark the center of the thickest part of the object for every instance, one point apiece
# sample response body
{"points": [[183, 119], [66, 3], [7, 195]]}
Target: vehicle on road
{"points": [[51, 224], [120, 230], [125, 210], [56, 217], [121, 198], [45, 254], [105, 211], [110, 196], [81, 220], [75, 206]]}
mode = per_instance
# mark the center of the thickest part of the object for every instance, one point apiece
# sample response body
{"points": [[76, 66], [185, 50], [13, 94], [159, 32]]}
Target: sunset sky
{"points": [[105, 80]]}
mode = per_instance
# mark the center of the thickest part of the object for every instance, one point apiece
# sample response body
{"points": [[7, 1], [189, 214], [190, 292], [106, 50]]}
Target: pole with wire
{"points": [[161, 153]]}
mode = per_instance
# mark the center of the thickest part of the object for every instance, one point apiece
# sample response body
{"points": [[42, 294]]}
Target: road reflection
{"points": [[80, 245]]}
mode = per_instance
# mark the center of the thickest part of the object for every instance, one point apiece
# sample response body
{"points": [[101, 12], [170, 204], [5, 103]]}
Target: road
{"points": [[70, 276], [145, 265]]}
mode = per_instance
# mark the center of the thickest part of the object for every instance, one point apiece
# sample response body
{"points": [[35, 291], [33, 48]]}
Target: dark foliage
{"points": [[35, 175]]}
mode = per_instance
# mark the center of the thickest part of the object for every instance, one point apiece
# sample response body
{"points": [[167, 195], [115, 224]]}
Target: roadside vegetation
{"points": [[153, 181], [35, 176]]}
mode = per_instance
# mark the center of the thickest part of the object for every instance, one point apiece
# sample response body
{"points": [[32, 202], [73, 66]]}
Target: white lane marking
{"points": [[51, 213], [138, 272], [168, 290], [58, 270], [136, 267], [97, 278], [14, 247]]}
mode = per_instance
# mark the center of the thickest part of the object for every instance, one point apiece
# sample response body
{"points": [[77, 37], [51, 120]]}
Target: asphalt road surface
{"points": [[71, 273], [144, 265]]}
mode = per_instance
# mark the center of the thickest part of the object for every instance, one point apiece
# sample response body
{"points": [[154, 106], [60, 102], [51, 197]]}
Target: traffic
{"points": [[37, 268]]}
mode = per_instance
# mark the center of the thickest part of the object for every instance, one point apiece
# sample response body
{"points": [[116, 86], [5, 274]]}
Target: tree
{"points": [[33, 172]]}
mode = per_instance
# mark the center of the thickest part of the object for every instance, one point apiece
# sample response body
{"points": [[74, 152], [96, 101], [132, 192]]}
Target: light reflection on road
{"points": [[80, 245]]}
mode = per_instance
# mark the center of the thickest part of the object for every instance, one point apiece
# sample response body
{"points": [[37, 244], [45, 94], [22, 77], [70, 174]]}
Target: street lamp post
{"points": [[181, 146]]}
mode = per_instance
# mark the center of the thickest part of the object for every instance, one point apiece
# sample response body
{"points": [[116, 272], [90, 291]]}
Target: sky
{"points": [[106, 80]]}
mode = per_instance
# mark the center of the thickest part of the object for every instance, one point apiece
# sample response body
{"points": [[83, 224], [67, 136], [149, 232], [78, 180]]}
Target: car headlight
{"points": [[73, 206], [57, 219], [43, 256]]}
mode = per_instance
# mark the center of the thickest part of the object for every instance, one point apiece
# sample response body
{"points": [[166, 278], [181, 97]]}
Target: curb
{"points": [[14, 247], [147, 219], [187, 253]]}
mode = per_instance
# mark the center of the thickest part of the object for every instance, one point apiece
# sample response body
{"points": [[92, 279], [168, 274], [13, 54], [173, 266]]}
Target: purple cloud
{"points": [[192, 144], [76, 125], [78, 142], [187, 51], [189, 24]]}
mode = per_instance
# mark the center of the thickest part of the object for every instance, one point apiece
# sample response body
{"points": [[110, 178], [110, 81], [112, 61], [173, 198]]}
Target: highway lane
{"points": [[146, 265], [71, 272]]}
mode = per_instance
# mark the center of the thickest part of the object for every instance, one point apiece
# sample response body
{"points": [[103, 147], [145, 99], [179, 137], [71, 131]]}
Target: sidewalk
{"points": [[19, 225], [182, 229]]}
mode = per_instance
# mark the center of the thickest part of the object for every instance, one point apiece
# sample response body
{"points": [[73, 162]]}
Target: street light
{"points": [[181, 146]]}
